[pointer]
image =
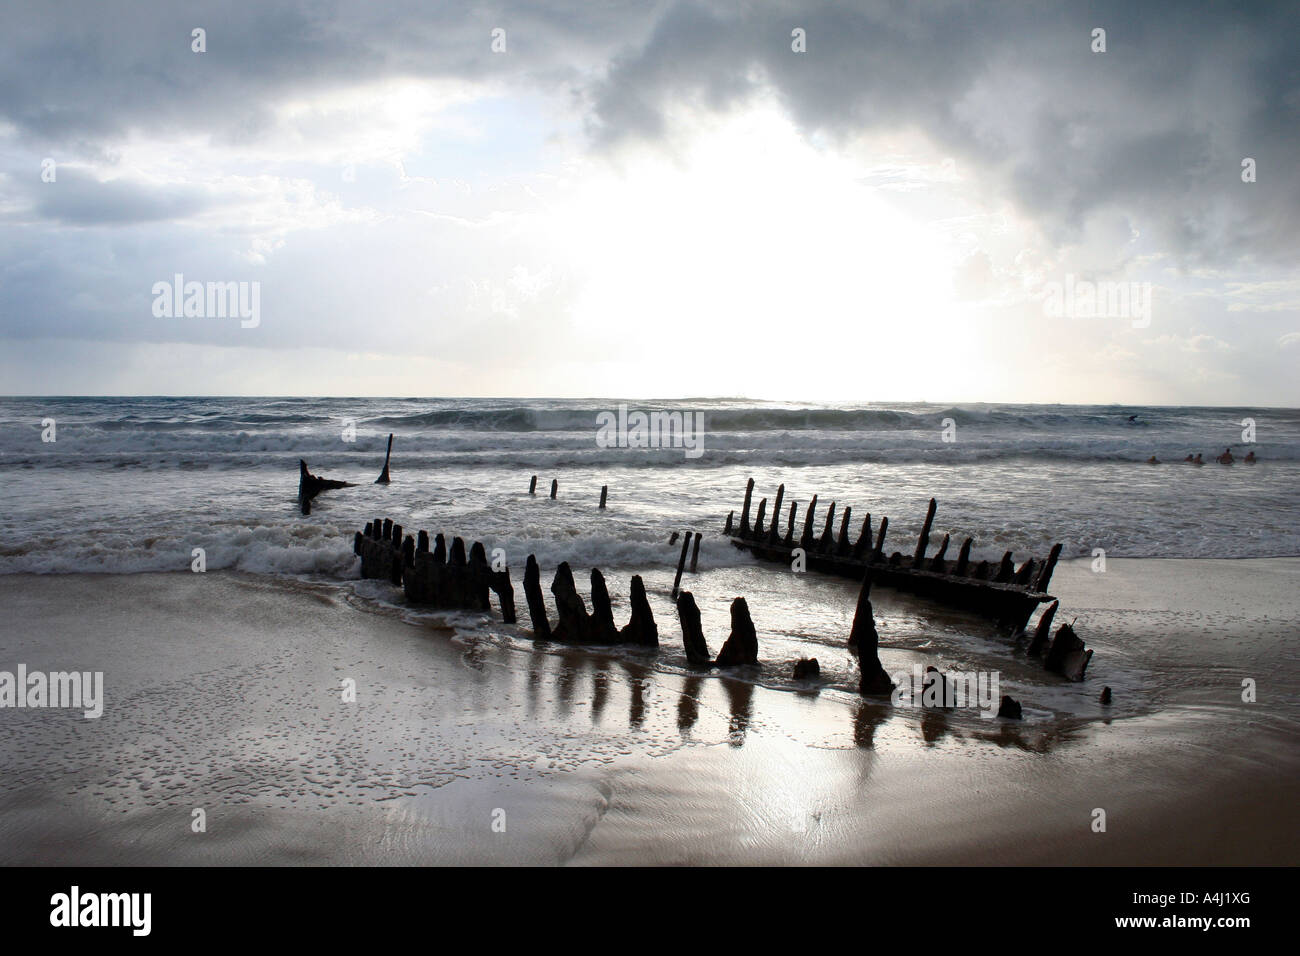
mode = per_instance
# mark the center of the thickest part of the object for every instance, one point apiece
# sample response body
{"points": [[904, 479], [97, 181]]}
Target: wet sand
{"points": [[223, 693]]}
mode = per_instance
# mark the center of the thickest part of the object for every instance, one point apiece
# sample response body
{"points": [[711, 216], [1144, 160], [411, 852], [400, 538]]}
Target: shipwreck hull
{"points": [[1002, 592], [1006, 604]]}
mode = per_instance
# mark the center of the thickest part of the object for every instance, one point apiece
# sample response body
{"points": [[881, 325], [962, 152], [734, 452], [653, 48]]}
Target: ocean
{"points": [[134, 484]]}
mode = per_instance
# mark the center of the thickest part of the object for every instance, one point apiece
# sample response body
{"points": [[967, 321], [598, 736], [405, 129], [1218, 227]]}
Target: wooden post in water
{"points": [[697, 650], [744, 511], [1043, 631], [741, 646], [695, 552], [641, 628], [681, 565], [476, 586], [1045, 575], [827, 540], [1005, 569], [758, 520], [789, 525], [774, 531], [1026, 573], [843, 546], [806, 540], [604, 490], [872, 679], [499, 581], [533, 595], [864, 539], [574, 625], [878, 551], [1067, 655], [963, 558], [532, 485], [456, 557], [555, 486], [924, 540], [864, 604], [727, 530], [937, 563], [383, 475], [398, 567], [605, 631]]}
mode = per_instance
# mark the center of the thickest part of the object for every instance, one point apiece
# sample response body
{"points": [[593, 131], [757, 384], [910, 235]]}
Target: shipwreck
{"points": [[1003, 592]]}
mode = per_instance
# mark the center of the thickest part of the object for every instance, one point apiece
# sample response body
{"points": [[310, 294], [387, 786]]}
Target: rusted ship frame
{"points": [[1002, 592]]}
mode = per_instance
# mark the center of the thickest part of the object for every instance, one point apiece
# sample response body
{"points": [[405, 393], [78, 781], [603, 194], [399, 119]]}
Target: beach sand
{"points": [[223, 693]]}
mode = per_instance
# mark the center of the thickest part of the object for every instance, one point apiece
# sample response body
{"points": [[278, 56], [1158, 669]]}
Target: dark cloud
{"points": [[76, 198], [71, 72], [1154, 129], [1159, 122]]}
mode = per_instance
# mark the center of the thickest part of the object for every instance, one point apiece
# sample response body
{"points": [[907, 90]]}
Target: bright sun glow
{"points": [[749, 246]]}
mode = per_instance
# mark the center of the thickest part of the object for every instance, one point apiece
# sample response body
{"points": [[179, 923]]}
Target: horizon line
{"points": [[606, 398]]}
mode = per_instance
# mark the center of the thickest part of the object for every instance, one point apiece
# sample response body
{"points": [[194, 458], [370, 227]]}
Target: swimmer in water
{"points": [[1198, 460], [1250, 458], [1189, 460], [1226, 457], [1153, 460]]}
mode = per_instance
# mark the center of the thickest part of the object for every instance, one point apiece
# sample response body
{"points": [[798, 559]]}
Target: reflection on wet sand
{"points": [[867, 715], [638, 673], [599, 692], [1031, 739], [688, 705], [741, 695], [537, 661], [934, 724], [572, 666]]}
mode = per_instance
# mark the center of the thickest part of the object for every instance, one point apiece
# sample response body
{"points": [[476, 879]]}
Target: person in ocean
{"points": [[1226, 457], [1198, 460], [1250, 458], [1189, 460], [1153, 460]]}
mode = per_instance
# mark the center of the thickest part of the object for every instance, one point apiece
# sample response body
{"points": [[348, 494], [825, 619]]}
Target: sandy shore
{"points": [[223, 693]]}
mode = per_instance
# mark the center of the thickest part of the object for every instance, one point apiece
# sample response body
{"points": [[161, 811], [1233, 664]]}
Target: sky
{"points": [[865, 201]]}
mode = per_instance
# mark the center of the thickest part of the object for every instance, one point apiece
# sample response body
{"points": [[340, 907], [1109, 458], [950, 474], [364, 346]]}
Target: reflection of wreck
{"points": [[1003, 592]]}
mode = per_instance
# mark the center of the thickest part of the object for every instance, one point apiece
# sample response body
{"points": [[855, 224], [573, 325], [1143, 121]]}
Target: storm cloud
{"points": [[270, 155]]}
